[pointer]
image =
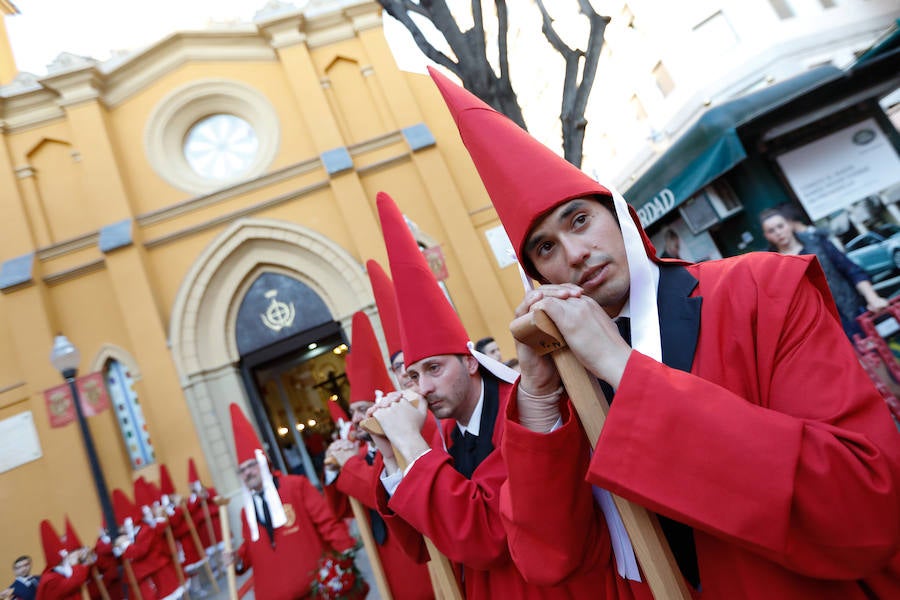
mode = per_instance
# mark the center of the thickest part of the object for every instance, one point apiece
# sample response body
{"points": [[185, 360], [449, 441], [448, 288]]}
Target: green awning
{"points": [[888, 42], [711, 147]]}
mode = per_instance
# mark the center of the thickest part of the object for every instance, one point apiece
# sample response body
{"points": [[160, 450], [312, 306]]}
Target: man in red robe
{"points": [[741, 414], [286, 523], [66, 572], [450, 491], [356, 474], [143, 545]]}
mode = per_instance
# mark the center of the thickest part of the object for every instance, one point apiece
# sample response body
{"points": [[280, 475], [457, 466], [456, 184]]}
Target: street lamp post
{"points": [[65, 357]]}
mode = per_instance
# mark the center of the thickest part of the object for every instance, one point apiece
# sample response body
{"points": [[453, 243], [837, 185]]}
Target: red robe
{"points": [[195, 506], [776, 449], [151, 561], [407, 579], [462, 518], [181, 530], [108, 567], [286, 571], [56, 586]]}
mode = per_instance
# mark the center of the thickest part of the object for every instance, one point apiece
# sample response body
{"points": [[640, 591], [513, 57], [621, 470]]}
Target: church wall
{"points": [[345, 95]]}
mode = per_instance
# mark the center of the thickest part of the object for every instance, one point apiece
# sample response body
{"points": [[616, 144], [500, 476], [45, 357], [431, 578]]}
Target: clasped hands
{"points": [[402, 424], [341, 451], [589, 333]]}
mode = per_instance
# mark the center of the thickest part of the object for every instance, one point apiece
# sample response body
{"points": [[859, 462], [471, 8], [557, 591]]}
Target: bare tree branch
{"points": [[396, 8], [502, 41], [476, 34], [550, 33], [414, 7]]}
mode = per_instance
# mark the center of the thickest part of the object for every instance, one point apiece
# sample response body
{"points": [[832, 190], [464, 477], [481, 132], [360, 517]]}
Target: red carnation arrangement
{"points": [[337, 578]]}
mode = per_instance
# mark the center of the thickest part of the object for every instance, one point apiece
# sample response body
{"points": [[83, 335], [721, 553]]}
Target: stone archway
{"points": [[202, 327]]}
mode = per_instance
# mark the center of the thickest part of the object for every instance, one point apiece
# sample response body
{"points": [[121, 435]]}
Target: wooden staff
{"points": [[365, 532], [170, 538], [101, 586], [207, 516], [132, 580], [535, 329], [443, 579], [195, 538], [226, 539]]}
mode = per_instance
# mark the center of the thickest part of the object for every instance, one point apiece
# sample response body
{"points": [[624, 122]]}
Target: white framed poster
{"points": [[19, 443], [835, 171]]}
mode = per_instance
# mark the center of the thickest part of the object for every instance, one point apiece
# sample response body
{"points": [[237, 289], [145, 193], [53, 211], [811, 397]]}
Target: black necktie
{"points": [[465, 456], [624, 325], [266, 518]]}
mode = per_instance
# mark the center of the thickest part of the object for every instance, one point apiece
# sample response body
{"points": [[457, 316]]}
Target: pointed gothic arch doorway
{"points": [[217, 366]]}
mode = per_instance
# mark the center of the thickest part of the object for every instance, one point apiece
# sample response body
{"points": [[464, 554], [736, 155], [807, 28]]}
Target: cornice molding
{"points": [[34, 101]]}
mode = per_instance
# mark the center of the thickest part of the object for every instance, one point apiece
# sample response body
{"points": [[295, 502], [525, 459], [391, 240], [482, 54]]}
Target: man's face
{"points": [[778, 232], [580, 242], [447, 382], [22, 568], [399, 370], [249, 473], [493, 350], [357, 415], [673, 246]]}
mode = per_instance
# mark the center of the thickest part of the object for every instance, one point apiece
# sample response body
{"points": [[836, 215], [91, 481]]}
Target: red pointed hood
{"points": [[386, 301], [143, 494], [429, 325], [72, 541], [124, 507], [524, 178], [53, 546], [193, 477], [165, 481], [335, 410], [366, 370], [245, 440]]}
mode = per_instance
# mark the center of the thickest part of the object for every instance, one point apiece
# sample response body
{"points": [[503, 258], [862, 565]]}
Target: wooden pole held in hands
{"points": [[365, 532], [98, 581], [195, 539], [535, 329], [132, 580], [207, 517], [443, 579], [226, 539], [173, 549]]}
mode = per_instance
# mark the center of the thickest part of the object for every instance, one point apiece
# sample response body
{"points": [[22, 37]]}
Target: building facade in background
{"points": [[195, 218]]}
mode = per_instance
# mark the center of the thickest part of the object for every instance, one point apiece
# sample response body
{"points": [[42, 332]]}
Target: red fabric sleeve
{"points": [[54, 586], [337, 501], [409, 539], [359, 479], [774, 461], [333, 532], [461, 516], [547, 470]]}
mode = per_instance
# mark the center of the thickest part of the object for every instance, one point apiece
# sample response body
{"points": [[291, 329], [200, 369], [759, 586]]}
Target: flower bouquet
{"points": [[337, 578]]}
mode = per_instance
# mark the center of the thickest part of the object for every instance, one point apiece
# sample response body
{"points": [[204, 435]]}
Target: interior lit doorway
{"points": [[290, 384]]}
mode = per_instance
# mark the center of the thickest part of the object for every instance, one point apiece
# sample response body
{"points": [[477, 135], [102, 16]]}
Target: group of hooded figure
{"points": [[739, 417], [159, 547]]}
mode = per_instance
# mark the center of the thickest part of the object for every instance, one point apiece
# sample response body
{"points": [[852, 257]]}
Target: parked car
{"points": [[878, 251]]}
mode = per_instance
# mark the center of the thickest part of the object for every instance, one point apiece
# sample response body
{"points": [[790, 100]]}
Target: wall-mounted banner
{"points": [[435, 257], [91, 390]]}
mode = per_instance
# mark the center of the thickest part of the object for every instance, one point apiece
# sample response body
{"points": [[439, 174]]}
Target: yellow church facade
{"points": [[195, 218]]}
